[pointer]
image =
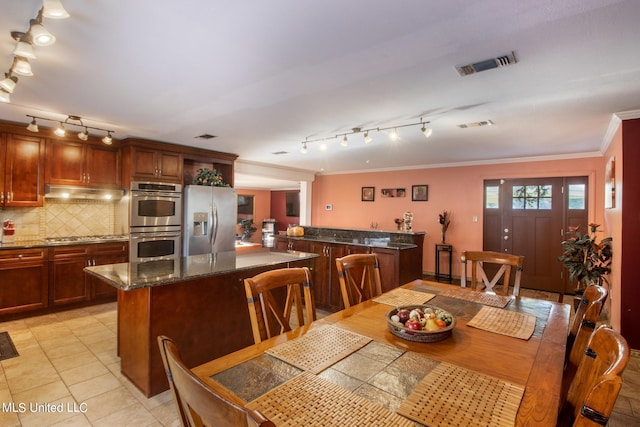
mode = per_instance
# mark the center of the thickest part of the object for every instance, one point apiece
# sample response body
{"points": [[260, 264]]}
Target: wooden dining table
{"points": [[533, 365]]}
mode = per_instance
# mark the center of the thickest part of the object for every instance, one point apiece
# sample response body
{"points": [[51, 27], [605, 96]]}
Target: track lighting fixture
{"points": [[36, 35], [61, 130], [393, 135], [4, 96]]}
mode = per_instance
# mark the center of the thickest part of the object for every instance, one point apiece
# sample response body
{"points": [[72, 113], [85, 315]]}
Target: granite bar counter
{"points": [[130, 276], [198, 301]]}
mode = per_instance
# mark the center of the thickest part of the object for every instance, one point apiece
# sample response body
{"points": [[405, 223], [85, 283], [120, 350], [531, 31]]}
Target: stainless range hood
{"points": [[72, 192]]}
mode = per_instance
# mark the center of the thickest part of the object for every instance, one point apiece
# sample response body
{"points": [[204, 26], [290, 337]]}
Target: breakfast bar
{"points": [[198, 300], [388, 376]]}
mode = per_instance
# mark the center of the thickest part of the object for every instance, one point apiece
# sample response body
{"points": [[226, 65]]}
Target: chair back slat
{"points": [[480, 260], [273, 296], [359, 276]]}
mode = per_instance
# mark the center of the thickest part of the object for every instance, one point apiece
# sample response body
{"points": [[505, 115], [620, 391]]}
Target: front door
{"points": [[529, 217]]}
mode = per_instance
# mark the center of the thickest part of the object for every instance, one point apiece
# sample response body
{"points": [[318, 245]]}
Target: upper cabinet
{"points": [[82, 164], [22, 181], [145, 160]]}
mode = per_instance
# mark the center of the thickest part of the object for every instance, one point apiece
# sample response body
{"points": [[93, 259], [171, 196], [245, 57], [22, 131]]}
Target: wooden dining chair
{"points": [[596, 385], [198, 405], [359, 276], [585, 320], [481, 260], [273, 295]]}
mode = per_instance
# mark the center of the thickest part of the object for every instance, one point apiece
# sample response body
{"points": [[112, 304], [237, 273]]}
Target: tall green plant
{"points": [[587, 260]]}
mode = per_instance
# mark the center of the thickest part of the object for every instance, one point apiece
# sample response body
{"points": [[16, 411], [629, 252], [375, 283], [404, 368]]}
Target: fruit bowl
{"points": [[399, 330]]}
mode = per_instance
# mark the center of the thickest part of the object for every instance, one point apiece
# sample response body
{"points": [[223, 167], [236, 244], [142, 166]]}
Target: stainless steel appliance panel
{"points": [[155, 205], [210, 215], [153, 246]]}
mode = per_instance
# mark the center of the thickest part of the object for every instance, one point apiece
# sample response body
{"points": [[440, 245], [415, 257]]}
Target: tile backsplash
{"points": [[62, 218]]}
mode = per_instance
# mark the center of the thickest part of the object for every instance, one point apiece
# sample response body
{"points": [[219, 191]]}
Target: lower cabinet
{"points": [[70, 284], [23, 280]]}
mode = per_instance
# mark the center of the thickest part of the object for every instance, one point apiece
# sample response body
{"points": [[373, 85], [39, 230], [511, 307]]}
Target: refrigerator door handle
{"points": [[214, 225]]}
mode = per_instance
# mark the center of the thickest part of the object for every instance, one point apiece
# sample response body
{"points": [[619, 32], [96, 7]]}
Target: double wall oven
{"points": [[155, 227]]}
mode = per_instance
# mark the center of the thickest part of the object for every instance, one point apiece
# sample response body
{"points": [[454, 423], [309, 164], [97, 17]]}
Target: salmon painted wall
{"points": [[613, 223], [261, 209], [455, 189]]}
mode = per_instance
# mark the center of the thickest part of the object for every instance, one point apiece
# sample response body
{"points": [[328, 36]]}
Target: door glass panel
{"points": [[531, 197], [491, 197], [577, 196]]}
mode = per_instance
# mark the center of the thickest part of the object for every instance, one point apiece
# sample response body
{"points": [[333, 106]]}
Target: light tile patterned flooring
{"points": [[69, 359]]}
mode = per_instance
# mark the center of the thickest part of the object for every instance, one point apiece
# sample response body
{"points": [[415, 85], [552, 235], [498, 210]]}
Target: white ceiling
{"points": [[264, 75]]}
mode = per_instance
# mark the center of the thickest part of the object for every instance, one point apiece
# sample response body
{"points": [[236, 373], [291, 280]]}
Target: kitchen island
{"points": [[199, 301]]}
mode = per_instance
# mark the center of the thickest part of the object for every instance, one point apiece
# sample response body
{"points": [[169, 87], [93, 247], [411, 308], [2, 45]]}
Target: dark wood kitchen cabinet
{"points": [[82, 164], [68, 281], [23, 280], [103, 254], [22, 160], [149, 164]]}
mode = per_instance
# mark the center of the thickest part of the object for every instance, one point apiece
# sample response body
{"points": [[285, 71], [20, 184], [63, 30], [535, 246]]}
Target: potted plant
{"points": [[247, 228], [587, 260], [212, 178]]}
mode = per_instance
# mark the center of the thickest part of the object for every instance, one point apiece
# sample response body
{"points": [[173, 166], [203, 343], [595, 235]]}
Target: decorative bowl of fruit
{"points": [[421, 323]]}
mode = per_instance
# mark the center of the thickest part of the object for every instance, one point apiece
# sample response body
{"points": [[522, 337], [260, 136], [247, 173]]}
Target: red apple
{"points": [[403, 315], [413, 324]]}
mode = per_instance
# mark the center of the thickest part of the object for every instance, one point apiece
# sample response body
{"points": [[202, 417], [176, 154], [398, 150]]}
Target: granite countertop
{"points": [[129, 276], [40, 243], [380, 242], [360, 237]]}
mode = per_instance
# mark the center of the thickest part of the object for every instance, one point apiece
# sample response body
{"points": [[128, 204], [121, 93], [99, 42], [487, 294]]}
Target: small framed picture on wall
{"points": [[368, 194], [419, 193]]}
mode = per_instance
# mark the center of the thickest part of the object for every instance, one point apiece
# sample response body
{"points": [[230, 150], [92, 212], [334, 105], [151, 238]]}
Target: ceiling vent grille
{"points": [[487, 64], [205, 136]]}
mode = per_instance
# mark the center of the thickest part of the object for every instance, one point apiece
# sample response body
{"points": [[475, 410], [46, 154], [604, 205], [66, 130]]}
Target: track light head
{"points": [[33, 126], [60, 130], [303, 150], [21, 66], [367, 138], [426, 131], [24, 47], [9, 82], [345, 141], [5, 96], [39, 34], [53, 9], [107, 139], [84, 135], [393, 135]]}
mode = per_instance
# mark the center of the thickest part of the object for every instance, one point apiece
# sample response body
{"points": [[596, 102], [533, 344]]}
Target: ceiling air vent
{"points": [[487, 64], [205, 136], [279, 153]]}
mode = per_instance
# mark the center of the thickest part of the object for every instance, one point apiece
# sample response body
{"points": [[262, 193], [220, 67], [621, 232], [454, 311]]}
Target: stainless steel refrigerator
{"points": [[210, 216]]}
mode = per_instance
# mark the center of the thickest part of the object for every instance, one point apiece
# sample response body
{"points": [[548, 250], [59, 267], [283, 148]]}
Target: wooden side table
{"points": [[443, 248]]}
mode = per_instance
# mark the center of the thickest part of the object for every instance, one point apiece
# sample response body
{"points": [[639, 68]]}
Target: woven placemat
{"points": [[454, 396], [319, 349], [504, 322], [476, 296], [308, 400], [401, 296]]}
